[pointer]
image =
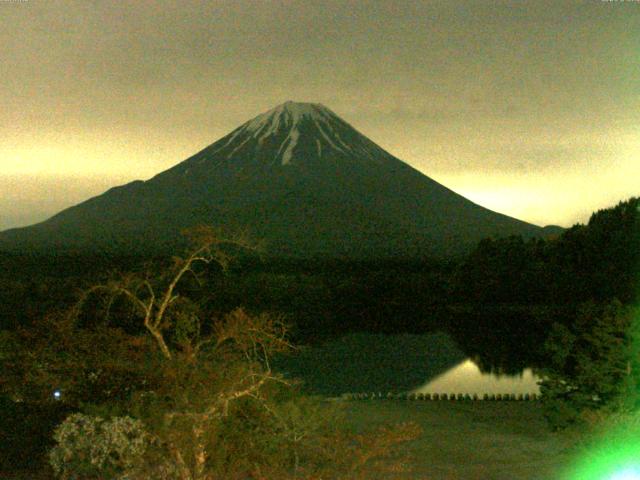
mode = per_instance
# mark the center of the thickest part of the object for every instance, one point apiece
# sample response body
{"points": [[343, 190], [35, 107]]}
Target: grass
{"points": [[460, 441], [471, 440]]}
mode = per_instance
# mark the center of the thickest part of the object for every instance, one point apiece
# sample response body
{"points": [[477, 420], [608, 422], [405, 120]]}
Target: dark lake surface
{"points": [[425, 363]]}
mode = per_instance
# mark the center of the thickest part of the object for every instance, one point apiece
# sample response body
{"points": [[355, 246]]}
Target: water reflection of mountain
{"points": [[363, 362], [505, 338], [467, 378]]}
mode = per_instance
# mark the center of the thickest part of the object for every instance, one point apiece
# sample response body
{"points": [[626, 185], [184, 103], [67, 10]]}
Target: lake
{"points": [[426, 363]]}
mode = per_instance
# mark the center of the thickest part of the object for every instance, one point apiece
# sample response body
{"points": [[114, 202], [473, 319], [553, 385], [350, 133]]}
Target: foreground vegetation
{"points": [[465, 440], [475, 440], [168, 368], [158, 387]]}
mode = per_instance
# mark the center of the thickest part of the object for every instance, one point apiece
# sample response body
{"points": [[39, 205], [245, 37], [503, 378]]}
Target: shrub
{"points": [[592, 364], [88, 446]]}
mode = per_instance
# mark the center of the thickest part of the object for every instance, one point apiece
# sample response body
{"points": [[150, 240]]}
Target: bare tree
{"points": [[202, 385], [153, 299], [207, 363]]}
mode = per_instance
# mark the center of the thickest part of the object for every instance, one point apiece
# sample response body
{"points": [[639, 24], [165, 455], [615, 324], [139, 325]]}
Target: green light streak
{"points": [[613, 462], [614, 453], [627, 474]]}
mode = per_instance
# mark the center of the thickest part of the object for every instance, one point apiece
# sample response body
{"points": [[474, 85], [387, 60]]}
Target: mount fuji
{"points": [[297, 177]]}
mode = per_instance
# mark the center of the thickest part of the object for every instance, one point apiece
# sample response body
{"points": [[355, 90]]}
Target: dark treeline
{"points": [[598, 261], [318, 297], [512, 291], [499, 301], [34, 284]]}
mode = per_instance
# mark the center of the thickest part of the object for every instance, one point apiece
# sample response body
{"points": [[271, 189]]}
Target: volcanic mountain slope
{"points": [[297, 177]]}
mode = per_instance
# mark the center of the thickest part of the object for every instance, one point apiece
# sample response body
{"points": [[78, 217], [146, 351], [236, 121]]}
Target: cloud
{"points": [[489, 87]]}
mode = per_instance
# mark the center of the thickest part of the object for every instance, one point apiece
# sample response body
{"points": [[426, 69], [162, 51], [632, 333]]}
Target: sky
{"points": [[530, 108]]}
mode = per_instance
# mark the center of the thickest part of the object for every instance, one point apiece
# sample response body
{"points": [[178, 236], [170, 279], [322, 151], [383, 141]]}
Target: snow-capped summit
{"points": [[296, 176], [291, 133], [290, 117], [287, 115]]}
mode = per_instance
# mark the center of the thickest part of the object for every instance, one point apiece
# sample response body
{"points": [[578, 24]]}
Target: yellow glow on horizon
{"points": [[82, 155], [563, 196], [551, 198]]}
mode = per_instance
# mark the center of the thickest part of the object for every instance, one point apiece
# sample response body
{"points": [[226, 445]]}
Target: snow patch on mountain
{"points": [[238, 147], [327, 138], [293, 137], [286, 115], [287, 119], [291, 133]]}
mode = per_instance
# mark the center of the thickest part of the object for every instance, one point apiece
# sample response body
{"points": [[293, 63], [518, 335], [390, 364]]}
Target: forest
{"points": [[555, 304]]}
